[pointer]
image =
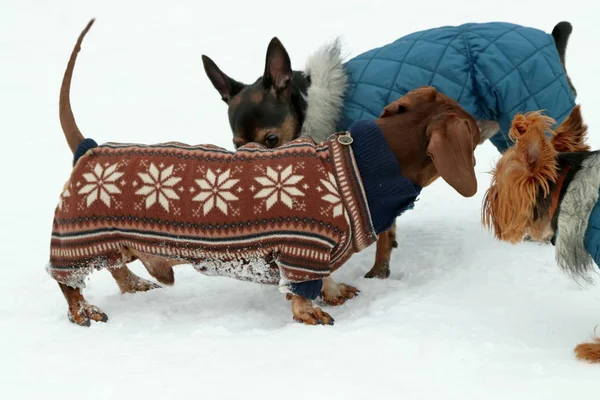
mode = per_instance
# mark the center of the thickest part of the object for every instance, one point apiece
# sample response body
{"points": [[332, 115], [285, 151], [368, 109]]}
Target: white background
{"points": [[461, 316]]}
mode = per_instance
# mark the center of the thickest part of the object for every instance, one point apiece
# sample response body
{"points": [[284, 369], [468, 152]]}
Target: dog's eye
{"points": [[271, 141]]}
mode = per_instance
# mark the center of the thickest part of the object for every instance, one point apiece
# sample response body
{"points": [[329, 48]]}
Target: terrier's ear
{"points": [[533, 146], [278, 69], [226, 86], [571, 135]]}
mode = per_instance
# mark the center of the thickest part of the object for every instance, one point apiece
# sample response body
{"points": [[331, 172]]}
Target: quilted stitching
{"points": [[557, 69], [364, 96], [380, 85], [499, 80], [496, 38], [493, 70], [545, 91]]}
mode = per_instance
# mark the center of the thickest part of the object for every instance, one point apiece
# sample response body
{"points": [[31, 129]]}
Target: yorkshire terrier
{"points": [[546, 187]]}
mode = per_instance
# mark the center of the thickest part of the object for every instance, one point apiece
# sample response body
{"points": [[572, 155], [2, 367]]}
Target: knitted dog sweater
{"points": [[292, 214], [288, 215]]}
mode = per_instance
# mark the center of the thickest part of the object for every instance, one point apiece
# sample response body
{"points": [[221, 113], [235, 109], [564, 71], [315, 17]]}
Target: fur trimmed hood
{"points": [[576, 210], [325, 95]]}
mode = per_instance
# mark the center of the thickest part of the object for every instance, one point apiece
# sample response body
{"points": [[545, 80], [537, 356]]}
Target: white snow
{"points": [[462, 316]]}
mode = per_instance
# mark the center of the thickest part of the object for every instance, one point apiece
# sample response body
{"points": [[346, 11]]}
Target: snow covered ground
{"points": [[461, 316]]}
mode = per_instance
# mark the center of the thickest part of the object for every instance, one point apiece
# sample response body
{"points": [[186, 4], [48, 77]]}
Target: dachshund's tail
{"points": [[67, 119]]}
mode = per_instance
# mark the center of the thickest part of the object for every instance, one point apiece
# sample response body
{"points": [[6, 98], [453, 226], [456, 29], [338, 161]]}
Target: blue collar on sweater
{"points": [[389, 193], [83, 147]]}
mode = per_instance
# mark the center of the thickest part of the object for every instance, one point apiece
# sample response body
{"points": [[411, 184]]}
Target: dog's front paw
{"points": [[142, 285], [381, 271], [335, 294], [316, 316], [86, 313], [543, 241], [304, 312]]}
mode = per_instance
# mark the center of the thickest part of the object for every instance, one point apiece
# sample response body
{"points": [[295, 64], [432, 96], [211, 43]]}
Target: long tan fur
{"points": [[67, 119], [523, 169], [590, 351]]}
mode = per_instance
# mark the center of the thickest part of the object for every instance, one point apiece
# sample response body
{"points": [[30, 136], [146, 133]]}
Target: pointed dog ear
{"points": [[534, 149], [226, 86], [451, 145], [571, 135], [278, 68]]}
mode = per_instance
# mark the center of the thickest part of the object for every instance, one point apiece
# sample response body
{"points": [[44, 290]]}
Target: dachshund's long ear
{"points": [[571, 135], [451, 145]]}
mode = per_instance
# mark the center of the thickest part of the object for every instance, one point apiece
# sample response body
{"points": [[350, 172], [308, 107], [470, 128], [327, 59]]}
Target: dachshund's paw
{"points": [[304, 312], [337, 293], [141, 285], [161, 271], [316, 316], [381, 271], [86, 313]]}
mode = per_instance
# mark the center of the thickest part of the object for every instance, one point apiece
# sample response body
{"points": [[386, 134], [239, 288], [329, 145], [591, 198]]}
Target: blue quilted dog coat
{"points": [[494, 70]]}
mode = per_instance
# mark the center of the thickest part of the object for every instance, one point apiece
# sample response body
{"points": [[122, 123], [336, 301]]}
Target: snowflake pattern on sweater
{"points": [[301, 207]]}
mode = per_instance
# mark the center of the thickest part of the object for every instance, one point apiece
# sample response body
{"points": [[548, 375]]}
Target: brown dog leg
{"points": [[334, 293], [160, 268], [304, 311], [129, 282], [386, 241], [80, 311]]}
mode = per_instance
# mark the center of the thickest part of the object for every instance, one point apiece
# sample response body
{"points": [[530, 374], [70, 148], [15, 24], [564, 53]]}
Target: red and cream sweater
{"points": [[291, 214]]}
